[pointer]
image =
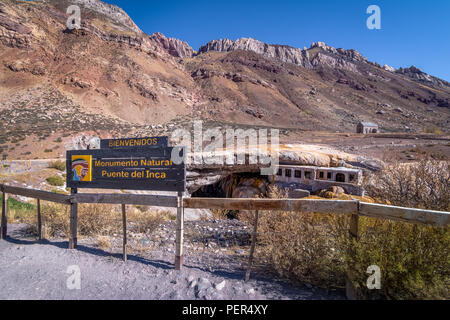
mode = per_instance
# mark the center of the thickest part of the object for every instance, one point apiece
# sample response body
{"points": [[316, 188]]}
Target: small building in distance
{"points": [[367, 127]]}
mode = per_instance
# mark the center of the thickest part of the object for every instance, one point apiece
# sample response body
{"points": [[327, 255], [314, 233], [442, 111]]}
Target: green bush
{"points": [[14, 204], [18, 210], [414, 260], [56, 181], [314, 248]]}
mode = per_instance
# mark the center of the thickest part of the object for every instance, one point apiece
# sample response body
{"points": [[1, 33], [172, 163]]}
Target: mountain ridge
{"points": [[137, 81]]}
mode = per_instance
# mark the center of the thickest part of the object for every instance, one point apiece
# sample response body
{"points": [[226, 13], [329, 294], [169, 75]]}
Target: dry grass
{"points": [[314, 248], [434, 130], [300, 246], [58, 165], [103, 243], [95, 220]]}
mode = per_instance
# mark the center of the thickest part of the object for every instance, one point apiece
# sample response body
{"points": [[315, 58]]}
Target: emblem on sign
{"points": [[81, 168]]}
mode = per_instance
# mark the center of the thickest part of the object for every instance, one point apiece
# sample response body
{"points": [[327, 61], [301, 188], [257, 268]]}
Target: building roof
{"points": [[335, 169], [368, 124]]}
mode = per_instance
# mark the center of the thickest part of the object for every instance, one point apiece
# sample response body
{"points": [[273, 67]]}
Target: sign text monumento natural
{"points": [[135, 169]]}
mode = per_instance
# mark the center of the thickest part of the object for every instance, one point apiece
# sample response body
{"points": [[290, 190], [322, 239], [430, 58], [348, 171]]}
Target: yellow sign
{"points": [[81, 168]]}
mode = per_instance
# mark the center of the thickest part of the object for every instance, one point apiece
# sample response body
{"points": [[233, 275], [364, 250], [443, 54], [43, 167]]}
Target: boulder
{"points": [[336, 190], [299, 193]]}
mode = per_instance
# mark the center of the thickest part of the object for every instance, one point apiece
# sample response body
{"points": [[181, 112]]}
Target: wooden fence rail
{"points": [[354, 208]]}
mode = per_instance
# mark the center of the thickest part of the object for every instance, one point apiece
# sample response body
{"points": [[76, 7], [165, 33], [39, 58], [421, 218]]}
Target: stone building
{"points": [[314, 179], [367, 127]]}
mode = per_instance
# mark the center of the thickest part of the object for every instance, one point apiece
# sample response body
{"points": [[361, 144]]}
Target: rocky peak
{"points": [[416, 74], [175, 47], [328, 55], [349, 54], [114, 13], [388, 68], [323, 46], [282, 53]]}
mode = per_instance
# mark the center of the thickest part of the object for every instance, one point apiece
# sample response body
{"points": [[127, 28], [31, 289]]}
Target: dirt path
{"points": [[39, 270]]}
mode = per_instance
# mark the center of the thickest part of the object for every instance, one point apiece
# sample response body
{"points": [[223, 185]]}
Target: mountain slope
{"points": [[109, 78]]}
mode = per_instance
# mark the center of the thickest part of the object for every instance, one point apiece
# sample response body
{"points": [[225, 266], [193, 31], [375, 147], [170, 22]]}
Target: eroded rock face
{"points": [[175, 47], [328, 56], [283, 53], [34, 67], [13, 33], [116, 14], [418, 75], [332, 62]]}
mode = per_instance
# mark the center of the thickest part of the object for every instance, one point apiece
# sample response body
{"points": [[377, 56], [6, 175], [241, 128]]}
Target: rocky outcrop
{"points": [[142, 88], [235, 77], [418, 75], [114, 13], [13, 33], [13, 26], [282, 53], [36, 68], [77, 82], [388, 68], [136, 41], [327, 55], [333, 62], [174, 47]]}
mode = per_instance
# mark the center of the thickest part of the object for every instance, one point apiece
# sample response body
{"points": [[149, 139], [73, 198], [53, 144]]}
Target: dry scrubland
{"points": [[414, 259], [314, 248]]}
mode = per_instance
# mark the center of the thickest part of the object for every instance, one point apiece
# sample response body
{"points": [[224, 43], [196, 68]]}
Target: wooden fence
{"points": [[354, 208]]}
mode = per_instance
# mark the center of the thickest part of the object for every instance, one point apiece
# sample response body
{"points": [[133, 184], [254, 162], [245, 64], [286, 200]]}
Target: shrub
{"points": [[433, 130], [58, 165], [18, 210], [301, 247], [414, 260], [425, 184], [56, 181], [314, 248]]}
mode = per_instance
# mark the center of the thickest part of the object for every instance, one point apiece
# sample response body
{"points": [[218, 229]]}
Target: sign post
{"points": [[180, 233], [4, 224], [124, 222], [133, 164], [151, 169], [73, 228]]}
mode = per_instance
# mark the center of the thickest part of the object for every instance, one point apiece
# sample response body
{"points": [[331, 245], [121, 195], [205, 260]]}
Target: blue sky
{"points": [[412, 32]]}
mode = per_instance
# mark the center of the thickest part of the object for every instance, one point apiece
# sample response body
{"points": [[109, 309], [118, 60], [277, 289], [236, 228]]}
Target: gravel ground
{"points": [[39, 270]]}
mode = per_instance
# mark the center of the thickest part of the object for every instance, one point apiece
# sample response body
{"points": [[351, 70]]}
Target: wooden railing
{"points": [[354, 208]]}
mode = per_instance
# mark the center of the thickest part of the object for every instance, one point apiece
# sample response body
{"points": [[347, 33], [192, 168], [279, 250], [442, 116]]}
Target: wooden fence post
{"points": [[4, 227], [73, 222], [39, 219], [252, 247], [124, 221], [179, 236], [350, 288]]}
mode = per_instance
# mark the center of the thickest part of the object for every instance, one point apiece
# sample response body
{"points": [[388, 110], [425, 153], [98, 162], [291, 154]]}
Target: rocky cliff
{"points": [[317, 55], [112, 12], [282, 53], [174, 47]]}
